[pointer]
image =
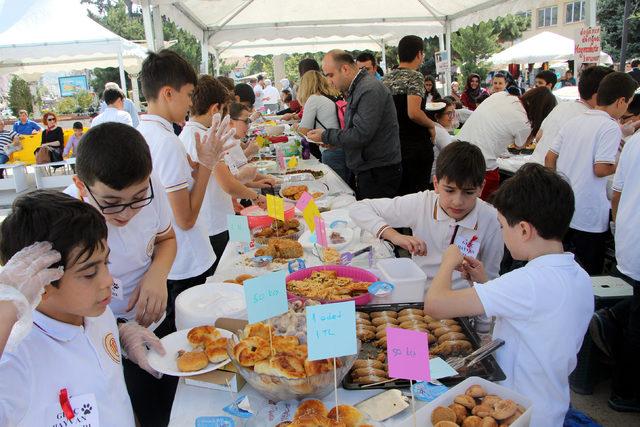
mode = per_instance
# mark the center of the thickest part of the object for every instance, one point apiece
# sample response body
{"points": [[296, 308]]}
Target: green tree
{"points": [[473, 46], [261, 64], [84, 100], [104, 75], [67, 105], [20, 97], [610, 16], [510, 27], [291, 63]]}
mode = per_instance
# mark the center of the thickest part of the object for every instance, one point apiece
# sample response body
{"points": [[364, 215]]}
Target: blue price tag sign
{"points": [[331, 330], [266, 296], [238, 228]]}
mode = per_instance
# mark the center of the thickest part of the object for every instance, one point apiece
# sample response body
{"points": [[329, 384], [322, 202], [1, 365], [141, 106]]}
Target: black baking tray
{"points": [[487, 368]]}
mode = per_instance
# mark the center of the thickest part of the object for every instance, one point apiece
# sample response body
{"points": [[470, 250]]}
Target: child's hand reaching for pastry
{"points": [[452, 258], [414, 245], [473, 270]]}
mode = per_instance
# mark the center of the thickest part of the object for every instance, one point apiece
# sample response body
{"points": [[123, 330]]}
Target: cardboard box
{"points": [[222, 379]]}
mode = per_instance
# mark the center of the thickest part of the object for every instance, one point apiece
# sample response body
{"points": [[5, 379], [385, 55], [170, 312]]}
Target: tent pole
{"points": [[204, 48], [148, 25], [217, 58], [383, 59], [135, 90], [447, 75], [625, 32], [158, 35], [123, 80]]}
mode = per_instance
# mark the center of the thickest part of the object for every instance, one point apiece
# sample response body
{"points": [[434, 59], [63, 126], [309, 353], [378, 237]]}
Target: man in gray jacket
{"points": [[370, 136]]}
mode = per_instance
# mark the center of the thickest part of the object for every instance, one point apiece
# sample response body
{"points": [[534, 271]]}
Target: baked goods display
{"points": [[314, 413], [208, 346], [477, 408], [289, 229], [294, 192], [239, 280], [294, 321], [281, 249], [326, 285], [330, 256]]}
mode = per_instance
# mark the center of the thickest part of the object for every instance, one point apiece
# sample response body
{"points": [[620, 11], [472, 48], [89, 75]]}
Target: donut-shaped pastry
{"points": [[257, 330], [365, 335], [199, 335], [381, 320], [415, 311], [452, 336], [251, 350], [445, 329], [363, 372], [369, 379], [464, 400], [442, 413], [475, 390], [386, 313], [461, 412], [365, 363], [504, 409]]}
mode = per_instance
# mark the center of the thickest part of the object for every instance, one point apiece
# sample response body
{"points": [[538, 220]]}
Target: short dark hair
{"points": [[499, 75], [539, 196], [461, 163], [366, 56], [245, 93], [208, 91], [548, 76], [260, 77], [635, 63], [342, 57], [114, 154], [52, 216], [436, 114], [634, 105], [287, 95], [308, 64], [614, 86], [409, 47], [165, 68], [590, 80], [538, 103], [77, 125], [112, 95], [236, 109], [227, 82]]}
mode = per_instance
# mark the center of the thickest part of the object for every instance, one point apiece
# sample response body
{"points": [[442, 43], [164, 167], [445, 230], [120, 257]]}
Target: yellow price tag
{"points": [[309, 213], [292, 163], [275, 207]]}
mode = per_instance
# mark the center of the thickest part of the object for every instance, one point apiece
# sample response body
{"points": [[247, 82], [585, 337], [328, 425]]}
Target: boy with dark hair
{"points": [[368, 61], [416, 129], [114, 176], [585, 151], [71, 147], [72, 359], [498, 83], [546, 78], [244, 95], [209, 98], [308, 64], [168, 82], [114, 112], [565, 111], [451, 213], [543, 309]]}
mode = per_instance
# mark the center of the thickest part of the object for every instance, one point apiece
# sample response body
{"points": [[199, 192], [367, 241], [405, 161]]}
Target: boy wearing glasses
{"points": [[114, 176]]}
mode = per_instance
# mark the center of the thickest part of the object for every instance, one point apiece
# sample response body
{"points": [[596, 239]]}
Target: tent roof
{"points": [[242, 22], [57, 35], [546, 46]]}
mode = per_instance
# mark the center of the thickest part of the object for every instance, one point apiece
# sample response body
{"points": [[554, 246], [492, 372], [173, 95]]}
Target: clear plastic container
{"points": [[409, 279]]}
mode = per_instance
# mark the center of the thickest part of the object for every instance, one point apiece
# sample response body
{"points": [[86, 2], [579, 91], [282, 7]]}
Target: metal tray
{"points": [[487, 368]]}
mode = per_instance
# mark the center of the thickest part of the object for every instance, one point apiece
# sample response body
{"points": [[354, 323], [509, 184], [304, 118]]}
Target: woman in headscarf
{"points": [[286, 85], [473, 92]]}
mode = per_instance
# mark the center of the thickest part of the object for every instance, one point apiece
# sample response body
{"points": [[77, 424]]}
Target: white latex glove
{"points": [[246, 173], [211, 147], [134, 340], [22, 281]]}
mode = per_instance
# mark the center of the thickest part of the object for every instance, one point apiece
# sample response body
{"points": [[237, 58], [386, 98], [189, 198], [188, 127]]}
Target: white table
{"points": [[46, 180]]}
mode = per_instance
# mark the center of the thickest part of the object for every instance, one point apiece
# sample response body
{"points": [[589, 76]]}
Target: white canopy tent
{"points": [[39, 36], [232, 27], [543, 47]]}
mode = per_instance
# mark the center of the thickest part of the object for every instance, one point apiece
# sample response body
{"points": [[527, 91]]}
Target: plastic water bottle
{"points": [[306, 151]]}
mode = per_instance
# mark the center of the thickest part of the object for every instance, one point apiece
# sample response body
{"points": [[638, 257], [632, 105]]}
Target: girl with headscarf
{"points": [[473, 93]]}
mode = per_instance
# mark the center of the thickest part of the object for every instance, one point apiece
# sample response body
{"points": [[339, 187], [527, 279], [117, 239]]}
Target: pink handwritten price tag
{"points": [[321, 232], [303, 201], [408, 354]]}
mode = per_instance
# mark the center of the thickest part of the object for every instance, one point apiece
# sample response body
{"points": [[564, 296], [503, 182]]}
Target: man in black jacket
{"points": [[370, 136], [635, 70]]}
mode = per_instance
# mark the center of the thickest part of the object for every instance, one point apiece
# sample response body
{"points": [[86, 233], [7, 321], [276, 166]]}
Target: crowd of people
{"points": [[96, 269]]}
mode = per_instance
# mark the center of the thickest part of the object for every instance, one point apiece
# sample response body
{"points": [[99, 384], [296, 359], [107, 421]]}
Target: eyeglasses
{"points": [[114, 209], [51, 119], [451, 113], [246, 121]]}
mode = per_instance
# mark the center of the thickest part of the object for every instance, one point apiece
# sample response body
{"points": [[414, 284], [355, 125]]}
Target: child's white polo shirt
{"points": [[216, 204], [627, 182], [171, 165], [132, 247], [422, 213], [84, 360], [590, 138], [542, 313]]}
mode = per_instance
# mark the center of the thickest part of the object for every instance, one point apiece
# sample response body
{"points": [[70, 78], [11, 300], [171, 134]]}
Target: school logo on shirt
{"points": [[111, 347]]}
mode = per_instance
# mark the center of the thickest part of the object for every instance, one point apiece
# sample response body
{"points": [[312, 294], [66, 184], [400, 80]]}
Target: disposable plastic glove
{"points": [[134, 340], [211, 147]]}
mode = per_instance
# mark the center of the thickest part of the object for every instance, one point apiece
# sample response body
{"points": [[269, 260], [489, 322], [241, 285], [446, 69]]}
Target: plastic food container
{"points": [[491, 388], [203, 304], [355, 273], [258, 217], [409, 279]]}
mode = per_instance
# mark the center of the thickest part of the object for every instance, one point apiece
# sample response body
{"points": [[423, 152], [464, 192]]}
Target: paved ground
{"points": [[595, 406]]}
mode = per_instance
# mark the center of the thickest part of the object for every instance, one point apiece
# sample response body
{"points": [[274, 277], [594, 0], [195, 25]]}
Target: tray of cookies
{"points": [[447, 338]]}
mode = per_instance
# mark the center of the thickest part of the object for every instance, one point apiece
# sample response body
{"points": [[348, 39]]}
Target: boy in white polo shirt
{"points": [[585, 152], [543, 309], [114, 176], [450, 214], [168, 81], [69, 366]]}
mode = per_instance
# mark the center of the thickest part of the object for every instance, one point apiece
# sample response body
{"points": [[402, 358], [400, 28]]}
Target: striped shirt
{"points": [[6, 138]]}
